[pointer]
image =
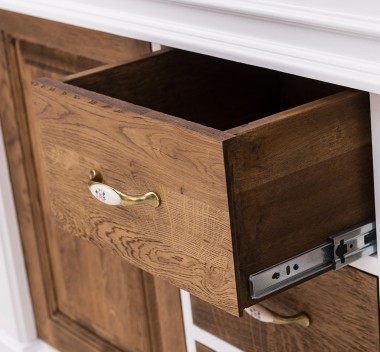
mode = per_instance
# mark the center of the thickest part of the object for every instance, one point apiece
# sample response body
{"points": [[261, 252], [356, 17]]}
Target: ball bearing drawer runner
{"points": [[229, 168]]}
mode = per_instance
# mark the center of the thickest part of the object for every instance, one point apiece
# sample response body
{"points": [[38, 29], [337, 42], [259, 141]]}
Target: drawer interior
{"points": [[214, 92]]}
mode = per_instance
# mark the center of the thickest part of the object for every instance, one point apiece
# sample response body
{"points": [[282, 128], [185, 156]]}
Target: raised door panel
{"points": [[85, 299], [92, 287]]}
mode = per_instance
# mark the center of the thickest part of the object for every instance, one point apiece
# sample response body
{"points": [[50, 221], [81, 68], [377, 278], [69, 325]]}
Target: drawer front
{"points": [[342, 320], [187, 238], [239, 192]]}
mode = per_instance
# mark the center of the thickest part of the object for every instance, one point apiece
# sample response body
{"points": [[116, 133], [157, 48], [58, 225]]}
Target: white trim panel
{"points": [[195, 334], [375, 129], [371, 264], [7, 344], [16, 315], [331, 15], [17, 326], [332, 46]]}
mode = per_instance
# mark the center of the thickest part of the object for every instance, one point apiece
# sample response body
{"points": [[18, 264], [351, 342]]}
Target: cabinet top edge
{"points": [[318, 43]]}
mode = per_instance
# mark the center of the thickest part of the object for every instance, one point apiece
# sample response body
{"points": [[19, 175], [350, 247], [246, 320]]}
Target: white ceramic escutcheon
{"points": [[105, 194], [260, 313]]}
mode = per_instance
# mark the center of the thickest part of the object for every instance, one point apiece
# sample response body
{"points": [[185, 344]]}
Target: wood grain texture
{"points": [[92, 290], [101, 292], [342, 307], [165, 314], [327, 156], [43, 61], [84, 299], [94, 45], [296, 178], [202, 348], [17, 145], [138, 151]]}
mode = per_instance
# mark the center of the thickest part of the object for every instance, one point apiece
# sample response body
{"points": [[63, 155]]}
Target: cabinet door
{"points": [[85, 299]]}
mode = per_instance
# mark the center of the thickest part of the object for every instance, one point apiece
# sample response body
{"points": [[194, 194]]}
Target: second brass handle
{"points": [[111, 196], [267, 316]]}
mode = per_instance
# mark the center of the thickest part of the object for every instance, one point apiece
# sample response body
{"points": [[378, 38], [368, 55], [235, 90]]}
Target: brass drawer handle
{"points": [[111, 196], [267, 316]]}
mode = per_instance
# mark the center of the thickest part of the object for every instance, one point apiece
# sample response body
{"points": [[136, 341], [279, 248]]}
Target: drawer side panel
{"points": [[298, 177]]}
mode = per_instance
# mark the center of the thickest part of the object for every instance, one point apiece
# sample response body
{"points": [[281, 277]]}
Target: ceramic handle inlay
{"points": [[267, 316], [111, 196]]}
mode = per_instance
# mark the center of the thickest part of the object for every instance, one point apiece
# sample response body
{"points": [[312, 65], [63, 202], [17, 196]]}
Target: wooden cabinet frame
{"points": [[53, 326]]}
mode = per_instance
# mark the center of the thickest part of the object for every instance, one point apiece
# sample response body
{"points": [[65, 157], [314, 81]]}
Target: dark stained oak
{"points": [[298, 177], [202, 348], [253, 166], [213, 92], [342, 319]]}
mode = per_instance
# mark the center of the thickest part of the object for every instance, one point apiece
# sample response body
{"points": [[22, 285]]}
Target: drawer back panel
{"points": [[213, 92]]}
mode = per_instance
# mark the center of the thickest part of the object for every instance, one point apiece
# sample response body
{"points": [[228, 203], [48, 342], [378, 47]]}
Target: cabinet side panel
{"points": [[298, 177]]}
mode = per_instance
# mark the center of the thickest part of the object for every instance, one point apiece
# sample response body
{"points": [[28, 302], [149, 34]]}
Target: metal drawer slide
{"points": [[340, 250]]}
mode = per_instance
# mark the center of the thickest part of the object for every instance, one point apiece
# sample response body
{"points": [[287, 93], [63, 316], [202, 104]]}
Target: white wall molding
{"points": [[16, 316], [17, 327], [375, 130], [195, 334], [8, 344], [339, 21], [334, 46]]}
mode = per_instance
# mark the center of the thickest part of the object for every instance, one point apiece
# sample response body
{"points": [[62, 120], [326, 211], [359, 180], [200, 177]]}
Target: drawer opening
{"points": [[214, 92], [233, 203]]}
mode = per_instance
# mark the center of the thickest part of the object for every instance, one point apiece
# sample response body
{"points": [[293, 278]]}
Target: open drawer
{"points": [[251, 166]]}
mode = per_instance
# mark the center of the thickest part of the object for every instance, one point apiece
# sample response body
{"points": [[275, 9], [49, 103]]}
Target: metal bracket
{"points": [[340, 250], [354, 244]]}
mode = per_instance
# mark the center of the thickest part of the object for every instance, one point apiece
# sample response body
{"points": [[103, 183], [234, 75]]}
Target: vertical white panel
{"points": [[375, 128], [16, 316], [155, 46], [188, 321], [372, 264], [193, 333]]}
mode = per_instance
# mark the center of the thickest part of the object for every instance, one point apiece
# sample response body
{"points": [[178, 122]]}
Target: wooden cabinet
{"points": [[238, 167], [85, 299]]}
